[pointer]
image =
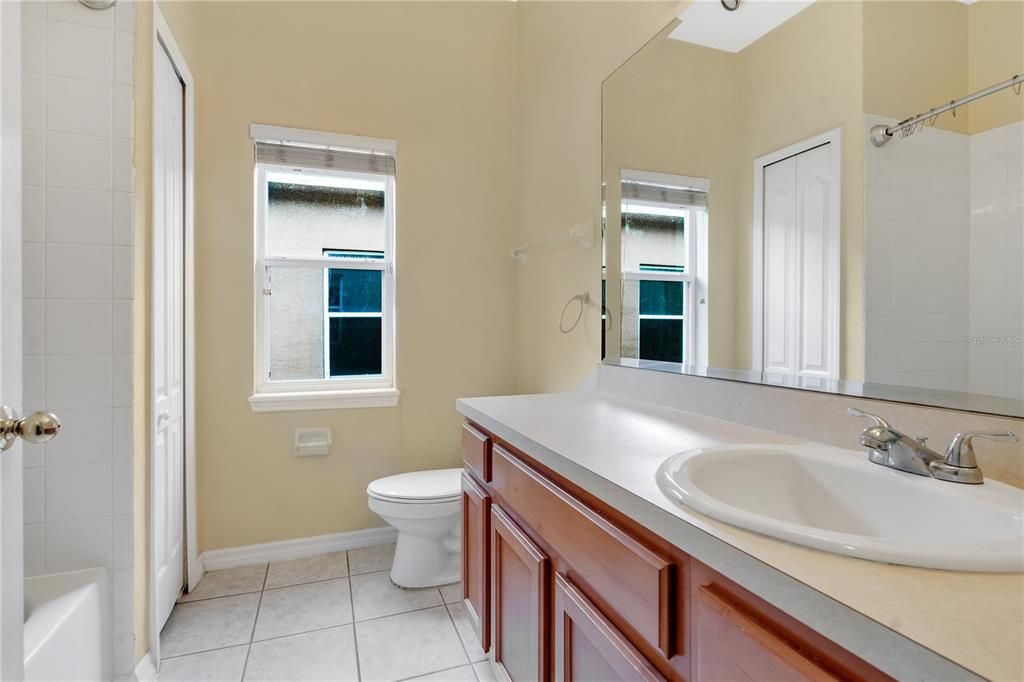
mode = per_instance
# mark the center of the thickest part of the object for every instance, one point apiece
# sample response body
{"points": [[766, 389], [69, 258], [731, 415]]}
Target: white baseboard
{"points": [[232, 557], [145, 671]]}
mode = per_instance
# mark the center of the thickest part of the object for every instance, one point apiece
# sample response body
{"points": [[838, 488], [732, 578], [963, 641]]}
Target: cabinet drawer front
{"points": [[476, 452], [589, 647], [634, 582], [733, 645], [520, 592], [476, 558]]}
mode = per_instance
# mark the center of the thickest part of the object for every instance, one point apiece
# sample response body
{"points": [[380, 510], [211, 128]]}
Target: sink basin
{"points": [[837, 501]]}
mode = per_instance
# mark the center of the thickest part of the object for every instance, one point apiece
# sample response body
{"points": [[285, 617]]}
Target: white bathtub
{"points": [[67, 626]]}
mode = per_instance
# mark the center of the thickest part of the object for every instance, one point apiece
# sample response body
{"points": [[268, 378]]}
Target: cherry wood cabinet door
{"points": [[588, 647], [476, 452], [519, 592], [476, 558], [734, 645]]}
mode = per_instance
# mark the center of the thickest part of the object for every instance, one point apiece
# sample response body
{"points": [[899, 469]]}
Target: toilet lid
{"points": [[433, 485]]}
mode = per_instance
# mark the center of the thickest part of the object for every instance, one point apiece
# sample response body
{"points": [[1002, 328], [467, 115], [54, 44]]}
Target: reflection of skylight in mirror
{"points": [[707, 23]]}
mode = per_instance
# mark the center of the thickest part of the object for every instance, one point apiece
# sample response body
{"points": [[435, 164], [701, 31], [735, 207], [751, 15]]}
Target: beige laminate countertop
{"points": [[912, 623]]}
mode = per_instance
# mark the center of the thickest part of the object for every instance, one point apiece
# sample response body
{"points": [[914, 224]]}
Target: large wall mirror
{"points": [[825, 195]]}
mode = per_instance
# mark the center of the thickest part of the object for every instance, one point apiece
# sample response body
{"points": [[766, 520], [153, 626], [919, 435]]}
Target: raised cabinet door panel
{"points": [[476, 558], [731, 645], [476, 452], [588, 647], [618, 573], [519, 571]]}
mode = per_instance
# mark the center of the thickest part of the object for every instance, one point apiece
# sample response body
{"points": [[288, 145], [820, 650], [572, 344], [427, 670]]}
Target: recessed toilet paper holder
{"points": [[312, 442]]}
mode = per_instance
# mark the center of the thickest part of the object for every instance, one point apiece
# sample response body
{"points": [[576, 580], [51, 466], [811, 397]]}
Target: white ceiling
{"points": [[707, 23]]}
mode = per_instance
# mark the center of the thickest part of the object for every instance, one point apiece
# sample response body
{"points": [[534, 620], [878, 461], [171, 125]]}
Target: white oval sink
{"points": [[836, 500]]}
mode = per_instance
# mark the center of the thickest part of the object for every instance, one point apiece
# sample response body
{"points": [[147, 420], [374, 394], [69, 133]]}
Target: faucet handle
{"points": [[960, 452], [857, 412]]}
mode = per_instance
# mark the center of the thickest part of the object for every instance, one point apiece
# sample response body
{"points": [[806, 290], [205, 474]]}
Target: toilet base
{"points": [[424, 562], [428, 552]]}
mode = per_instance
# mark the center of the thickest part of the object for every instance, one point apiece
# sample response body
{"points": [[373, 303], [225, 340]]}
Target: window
{"points": [[662, 324], [663, 230], [324, 271]]}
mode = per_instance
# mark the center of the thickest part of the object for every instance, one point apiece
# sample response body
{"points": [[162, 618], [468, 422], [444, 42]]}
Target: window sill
{"points": [[324, 400]]}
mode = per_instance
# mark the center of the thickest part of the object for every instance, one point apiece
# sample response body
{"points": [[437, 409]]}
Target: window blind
{"points": [[319, 157], [663, 194]]}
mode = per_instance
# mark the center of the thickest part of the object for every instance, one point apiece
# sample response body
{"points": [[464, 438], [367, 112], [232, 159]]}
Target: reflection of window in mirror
{"points": [[664, 233]]}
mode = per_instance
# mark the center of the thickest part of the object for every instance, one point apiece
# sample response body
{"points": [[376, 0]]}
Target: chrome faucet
{"points": [[890, 448]]}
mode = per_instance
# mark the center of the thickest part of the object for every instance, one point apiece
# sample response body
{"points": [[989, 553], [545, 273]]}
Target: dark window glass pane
{"points": [[353, 291], [661, 298], [355, 346], [661, 340]]}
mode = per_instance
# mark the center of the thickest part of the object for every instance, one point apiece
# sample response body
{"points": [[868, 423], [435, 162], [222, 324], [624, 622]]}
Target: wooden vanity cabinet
{"points": [[519, 600], [476, 558], [563, 587], [588, 646]]}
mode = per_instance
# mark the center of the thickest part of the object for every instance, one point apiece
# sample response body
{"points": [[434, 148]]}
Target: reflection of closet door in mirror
{"points": [[796, 245]]}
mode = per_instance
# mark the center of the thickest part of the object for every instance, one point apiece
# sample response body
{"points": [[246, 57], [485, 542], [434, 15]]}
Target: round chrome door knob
{"points": [[37, 427]]}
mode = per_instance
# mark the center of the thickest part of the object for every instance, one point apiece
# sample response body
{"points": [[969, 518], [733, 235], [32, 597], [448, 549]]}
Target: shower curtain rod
{"points": [[880, 134]]}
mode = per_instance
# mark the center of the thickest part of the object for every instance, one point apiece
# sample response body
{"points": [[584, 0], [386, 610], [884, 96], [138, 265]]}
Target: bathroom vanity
{"points": [[576, 566]]}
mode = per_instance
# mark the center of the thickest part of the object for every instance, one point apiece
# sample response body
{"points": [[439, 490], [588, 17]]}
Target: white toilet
{"points": [[424, 507]]}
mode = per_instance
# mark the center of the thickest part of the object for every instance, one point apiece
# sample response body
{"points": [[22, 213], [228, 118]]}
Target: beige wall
{"points": [[996, 40], [955, 49], [916, 58], [143, 145], [391, 70], [565, 50]]}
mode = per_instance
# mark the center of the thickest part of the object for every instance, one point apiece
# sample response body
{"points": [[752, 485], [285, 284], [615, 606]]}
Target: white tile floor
{"points": [[330, 617]]}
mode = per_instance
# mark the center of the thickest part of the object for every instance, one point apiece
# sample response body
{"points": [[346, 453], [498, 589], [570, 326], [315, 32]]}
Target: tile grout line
{"points": [[348, 577], [352, 606], [458, 635], [255, 620], [263, 589], [442, 670]]}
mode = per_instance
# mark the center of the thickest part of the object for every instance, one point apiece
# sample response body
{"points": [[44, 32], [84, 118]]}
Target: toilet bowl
{"points": [[424, 507]]}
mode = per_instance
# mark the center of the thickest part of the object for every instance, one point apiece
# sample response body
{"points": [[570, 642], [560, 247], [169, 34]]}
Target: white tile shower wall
{"points": [[917, 194], [77, 112], [995, 354]]}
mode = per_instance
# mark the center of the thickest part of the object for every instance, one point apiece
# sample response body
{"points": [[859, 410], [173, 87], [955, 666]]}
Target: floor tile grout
{"points": [[352, 605], [204, 651], [434, 672], [255, 620], [219, 596], [304, 632], [354, 622], [308, 582], [458, 635]]}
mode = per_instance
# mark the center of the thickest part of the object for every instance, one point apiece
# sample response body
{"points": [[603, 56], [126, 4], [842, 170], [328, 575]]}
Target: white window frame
{"points": [[695, 278], [334, 392], [689, 215]]}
